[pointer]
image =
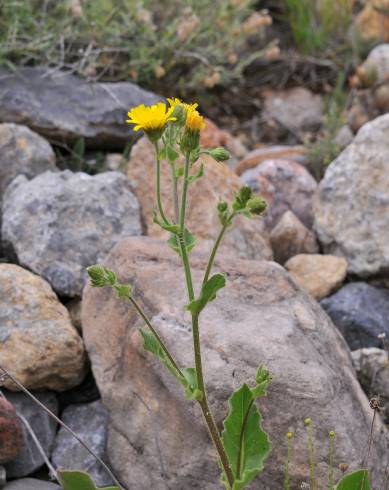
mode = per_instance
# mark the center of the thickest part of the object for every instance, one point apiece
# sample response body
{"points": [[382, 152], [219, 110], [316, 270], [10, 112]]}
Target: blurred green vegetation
{"points": [[190, 43]]}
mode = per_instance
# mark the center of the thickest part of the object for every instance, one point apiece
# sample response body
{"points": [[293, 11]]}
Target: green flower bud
{"points": [[241, 198], [222, 206], [308, 421], [289, 435], [190, 141], [100, 276], [180, 114], [256, 205], [219, 154]]}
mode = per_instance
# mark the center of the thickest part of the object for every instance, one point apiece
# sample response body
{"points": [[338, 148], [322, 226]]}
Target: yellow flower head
{"points": [[150, 118], [194, 121]]}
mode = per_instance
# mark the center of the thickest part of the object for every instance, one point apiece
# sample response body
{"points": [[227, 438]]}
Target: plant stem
{"points": [[213, 253], [159, 339], [62, 424], [210, 422], [175, 193], [158, 185]]}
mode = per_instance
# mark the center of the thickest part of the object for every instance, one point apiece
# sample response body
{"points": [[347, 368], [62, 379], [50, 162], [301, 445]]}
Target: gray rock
{"points": [[30, 459], [285, 185], [297, 108], [360, 312], [90, 422], [260, 317], [31, 484], [378, 62], [60, 223], [352, 204], [372, 367], [64, 108], [22, 152]]}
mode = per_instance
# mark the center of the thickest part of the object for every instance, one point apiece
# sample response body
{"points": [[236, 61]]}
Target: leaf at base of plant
{"points": [[78, 480], [357, 480]]}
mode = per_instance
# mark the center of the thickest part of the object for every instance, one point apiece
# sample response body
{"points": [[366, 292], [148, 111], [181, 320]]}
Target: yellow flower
{"points": [[194, 121], [174, 102], [151, 118]]}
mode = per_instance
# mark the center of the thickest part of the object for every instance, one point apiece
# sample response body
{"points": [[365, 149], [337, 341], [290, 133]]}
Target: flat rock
{"points": [[285, 185], [38, 343], [319, 275], [29, 458], [245, 239], [360, 312], [10, 432], [90, 422], [22, 152], [290, 237], [372, 367], [60, 223], [31, 484], [260, 317], [64, 108], [352, 203], [259, 155]]}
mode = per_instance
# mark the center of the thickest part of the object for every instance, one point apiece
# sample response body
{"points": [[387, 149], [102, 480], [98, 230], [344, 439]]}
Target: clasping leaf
{"points": [[189, 241], [78, 480], [208, 293], [357, 480], [187, 376], [246, 444]]}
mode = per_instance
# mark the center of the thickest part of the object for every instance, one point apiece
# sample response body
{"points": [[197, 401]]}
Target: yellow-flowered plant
{"points": [[175, 129]]}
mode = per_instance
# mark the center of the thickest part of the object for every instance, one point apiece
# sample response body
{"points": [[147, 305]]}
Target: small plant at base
{"points": [[174, 130]]}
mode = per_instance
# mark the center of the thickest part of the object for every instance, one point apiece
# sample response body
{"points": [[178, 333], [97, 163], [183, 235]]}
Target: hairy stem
{"points": [[62, 424], [158, 186], [175, 193], [210, 422], [213, 253], [156, 334]]}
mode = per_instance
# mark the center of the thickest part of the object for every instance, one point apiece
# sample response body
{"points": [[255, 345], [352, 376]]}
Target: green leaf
{"points": [[171, 227], [187, 377], [78, 480], [199, 174], [190, 242], [79, 149], [246, 444], [357, 480], [123, 290], [208, 293], [179, 172]]}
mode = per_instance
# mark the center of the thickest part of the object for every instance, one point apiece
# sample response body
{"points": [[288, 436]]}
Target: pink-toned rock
{"points": [[290, 237], [261, 316], [285, 185], [245, 239], [10, 432], [372, 23], [319, 275], [259, 155], [212, 136]]}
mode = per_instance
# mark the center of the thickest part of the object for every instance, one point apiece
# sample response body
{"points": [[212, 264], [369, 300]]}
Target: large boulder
{"points": [[10, 432], [22, 152], [60, 223], [352, 206], [38, 343], [44, 427], [31, 484], [156, 438], [286, 185], [245, 239], [64, 108], [361, 312], [90, 422]]}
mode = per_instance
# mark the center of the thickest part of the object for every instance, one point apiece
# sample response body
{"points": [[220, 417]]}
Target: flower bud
{"points": [[219, 154], [256, 205], [222, 206], [289, 435]]}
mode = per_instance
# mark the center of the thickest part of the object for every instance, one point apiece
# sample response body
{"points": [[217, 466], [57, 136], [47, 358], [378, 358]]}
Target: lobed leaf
{"points": [[78, 480], [246, 444], [357, 480], [208, 293]]}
